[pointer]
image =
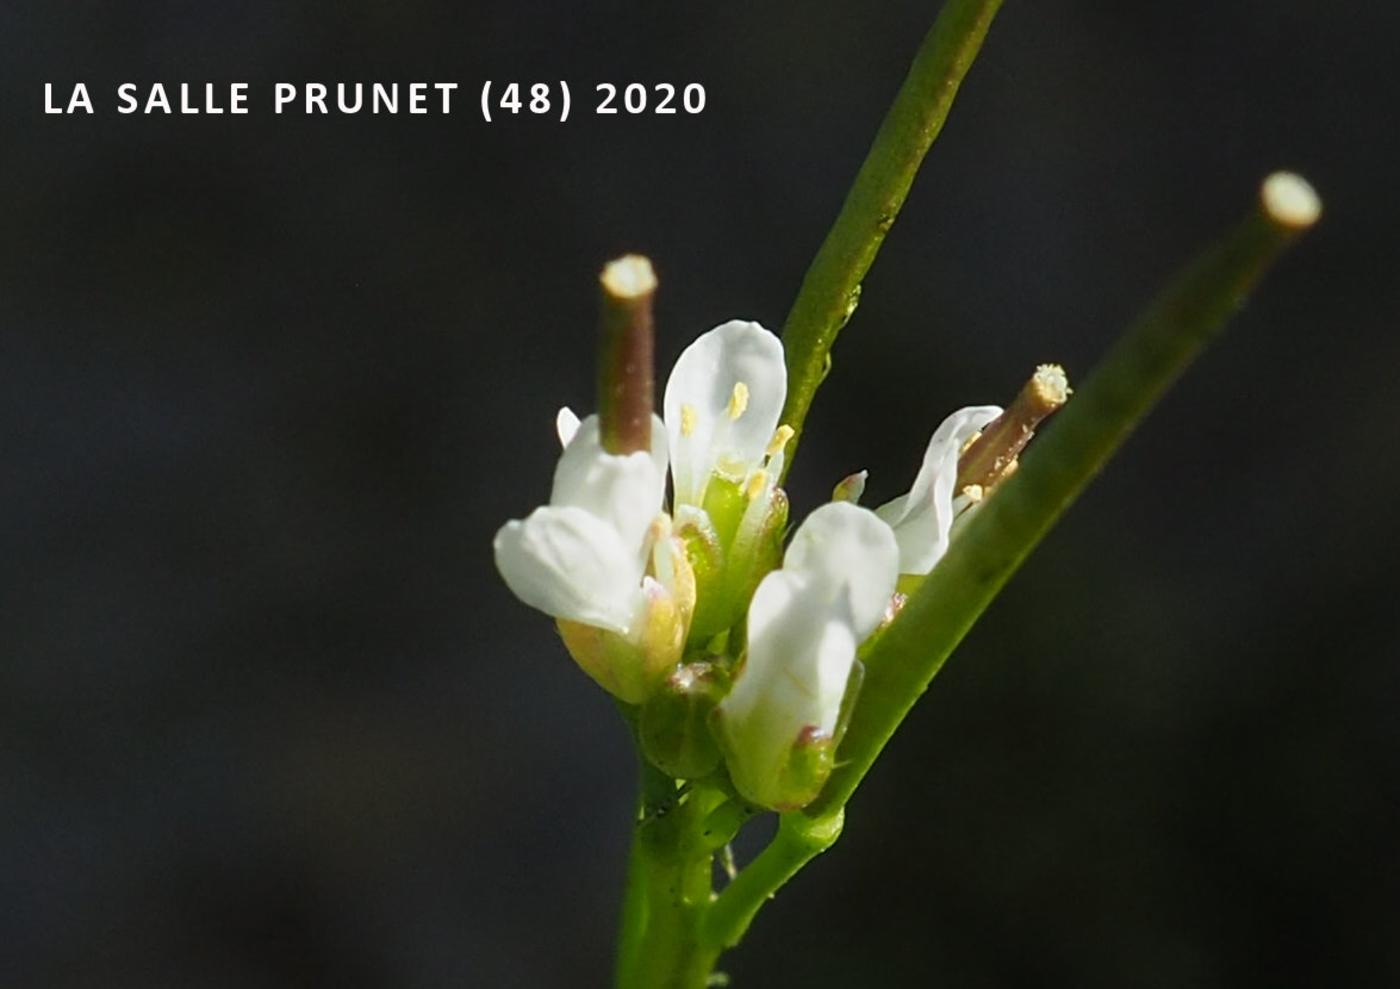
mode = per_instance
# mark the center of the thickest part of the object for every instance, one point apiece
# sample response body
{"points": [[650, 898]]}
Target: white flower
{"points": [[601, 557], [923, 518], [583, 557], [805, 622], [722, 405]]}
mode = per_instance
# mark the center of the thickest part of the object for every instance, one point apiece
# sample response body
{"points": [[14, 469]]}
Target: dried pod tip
{"points": [[991, 457], [629, 277], [1288, 200]]}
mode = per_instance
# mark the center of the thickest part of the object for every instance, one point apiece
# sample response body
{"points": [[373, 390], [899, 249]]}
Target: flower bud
{"points": [[674, 727]]}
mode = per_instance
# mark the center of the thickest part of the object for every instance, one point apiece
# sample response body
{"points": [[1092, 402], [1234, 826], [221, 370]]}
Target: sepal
{"points": [[631, 667], [674, 726]]}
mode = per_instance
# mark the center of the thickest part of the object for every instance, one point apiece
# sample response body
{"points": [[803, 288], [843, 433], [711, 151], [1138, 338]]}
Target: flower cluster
{"points": [[689, 608]]}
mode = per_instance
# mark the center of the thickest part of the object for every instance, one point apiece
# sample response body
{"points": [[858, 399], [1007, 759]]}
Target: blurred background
{"points": [[270, 384]]}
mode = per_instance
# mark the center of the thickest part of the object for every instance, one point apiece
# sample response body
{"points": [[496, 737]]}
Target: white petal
{"points": [[799, 662], [703, 381], [626, 491], [566, 425], [799, 659], [570, 564], [921, 519], [800, 651], [841, 549], [804, 624]]}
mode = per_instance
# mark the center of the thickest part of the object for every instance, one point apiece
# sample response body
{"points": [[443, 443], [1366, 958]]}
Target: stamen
{"points": [[974, 493], [738, 400], [779, 440], [756, 485], [687, 419], [991, 458]]}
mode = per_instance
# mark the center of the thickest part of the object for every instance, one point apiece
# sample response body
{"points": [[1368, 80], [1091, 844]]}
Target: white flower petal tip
{"points": [[625, 490], [572, 565], [566, 426], [923, 518], [722, 404], [848, 549]]}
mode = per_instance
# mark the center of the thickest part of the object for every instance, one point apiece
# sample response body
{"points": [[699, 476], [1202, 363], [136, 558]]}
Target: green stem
{"points": [[634, 916], [800, 839], [1137, 370], [831, 287], [668, 889]]}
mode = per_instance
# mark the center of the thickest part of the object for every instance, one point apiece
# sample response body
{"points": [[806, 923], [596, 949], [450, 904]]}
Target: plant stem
{"points": [[800, 839], [831, 287], [668, 889], [1081, 438]]}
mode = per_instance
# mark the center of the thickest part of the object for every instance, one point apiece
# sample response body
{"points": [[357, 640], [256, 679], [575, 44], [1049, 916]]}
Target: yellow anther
{"points": [[739, 400], [687, 419], [974, 492], [756, 485], [779, 440]]}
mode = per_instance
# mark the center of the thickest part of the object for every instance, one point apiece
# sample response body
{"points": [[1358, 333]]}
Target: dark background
{"points": [[270, 384]]}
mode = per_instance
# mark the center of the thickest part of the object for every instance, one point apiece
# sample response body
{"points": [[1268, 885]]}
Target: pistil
{"points": [[625, 375], [991, 457]]}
